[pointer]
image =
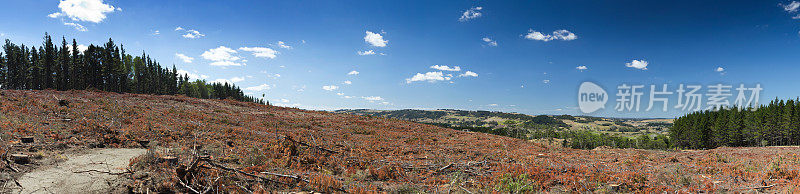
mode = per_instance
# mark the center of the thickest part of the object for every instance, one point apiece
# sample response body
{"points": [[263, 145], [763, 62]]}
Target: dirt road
{"points": [[92, 172]]}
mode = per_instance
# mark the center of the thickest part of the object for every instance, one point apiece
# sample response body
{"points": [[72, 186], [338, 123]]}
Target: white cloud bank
{"points": [[375, 39], [470, 14], [638, 64], [446, 68], [556, 35], [84, 10], [262, 52], [429, 77], [330, 87], [222, 56], [261, 87], [489, 41], [184, 58]]}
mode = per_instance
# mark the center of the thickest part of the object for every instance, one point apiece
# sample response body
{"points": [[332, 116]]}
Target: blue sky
{"points": [[299, 53]]}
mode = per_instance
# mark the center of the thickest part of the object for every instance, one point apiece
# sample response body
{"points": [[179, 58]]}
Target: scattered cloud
{"points": [[581, 68], [489, 41], [369, 52], [354, 72], [222, 56], [375, 39], [178, 28], [446, 68], [471, 13], [84, 10], [792, 7], [261, 87], [261, 52], [192, 34], [556, 35], [429, 77], [330, 87], [184, 58], [348, 82], [547, 81], [156, 33], [77, 26], [638, 64], [372, 98], [468, 74], [281, 44], [720, 70]]}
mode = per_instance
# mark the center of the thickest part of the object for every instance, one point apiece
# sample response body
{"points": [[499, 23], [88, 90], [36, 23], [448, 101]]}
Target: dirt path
{"points": [[91, 172]]}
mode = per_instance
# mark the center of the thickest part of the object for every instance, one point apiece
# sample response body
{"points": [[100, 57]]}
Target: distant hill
{"points": [[494, 119]]}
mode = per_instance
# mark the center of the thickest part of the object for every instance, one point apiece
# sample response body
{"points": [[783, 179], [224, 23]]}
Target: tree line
{"points": [[775, 124], [103, 67]]}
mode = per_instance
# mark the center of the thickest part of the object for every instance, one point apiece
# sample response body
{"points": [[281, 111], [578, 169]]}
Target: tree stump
{"points": [[27, 139], [20, 158]]}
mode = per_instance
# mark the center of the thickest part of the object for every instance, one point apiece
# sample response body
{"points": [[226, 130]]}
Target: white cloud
{"points": [[84, 10], [77, 26], [547, 81], [221, 53], [184, 58], [492, 104], [581, 68], [471, 13], [792, 7], [229, 81], [348, 82], [192, 75], [369, 52], [330, 87], [340, 94], [468, 74], [283, 45], [556, 35], [719, 69], [225, 63], [446, 68], [354, 72], [638, 64], [429, 77], [372, 98], [81, 48], [222, 56], [489, 41], [192, 34], [178, 28], [261, 87], [375, 39], [796, 17], [261, 52], [156, 33]]}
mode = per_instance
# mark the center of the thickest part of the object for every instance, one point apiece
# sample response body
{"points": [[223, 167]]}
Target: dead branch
{"points": [[445, 167], [8, 162], [187, 186], [106, 172], [305, 144], [756, 188]]}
